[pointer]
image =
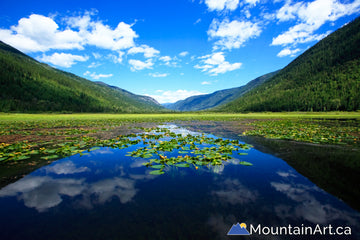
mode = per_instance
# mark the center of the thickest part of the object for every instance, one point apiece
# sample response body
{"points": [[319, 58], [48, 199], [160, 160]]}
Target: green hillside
{"points": [[29, 86], [206, 101], [324, 78]]}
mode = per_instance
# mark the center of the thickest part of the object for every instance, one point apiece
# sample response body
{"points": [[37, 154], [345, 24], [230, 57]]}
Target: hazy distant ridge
{"points": [[218, 98]]}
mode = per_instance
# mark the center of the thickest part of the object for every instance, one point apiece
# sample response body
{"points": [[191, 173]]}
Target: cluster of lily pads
{"points": [[74, 138], [25, 150], [165, 148], [50, 150], [312, 131], [160, 145]]}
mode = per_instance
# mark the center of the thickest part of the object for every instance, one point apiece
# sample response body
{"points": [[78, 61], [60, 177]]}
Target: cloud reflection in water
{"points": [[234, 192], [62, 180], [306, 204]]}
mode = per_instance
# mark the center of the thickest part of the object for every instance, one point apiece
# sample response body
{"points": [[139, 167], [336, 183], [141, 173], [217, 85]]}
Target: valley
{"points": [[95, 159]]}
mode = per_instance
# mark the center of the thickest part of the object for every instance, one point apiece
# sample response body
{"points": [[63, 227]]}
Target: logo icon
{"points": [[238, 229]]}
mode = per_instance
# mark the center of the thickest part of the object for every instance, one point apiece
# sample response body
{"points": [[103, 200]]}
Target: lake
{"points": [[109, 195]]}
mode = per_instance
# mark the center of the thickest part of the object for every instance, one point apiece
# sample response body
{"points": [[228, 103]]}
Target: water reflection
{"points": [[288, 199], [106, 195], [66, 167], [233, 192], [306, 205], [179, 130], [47, 187], [42, 193]]}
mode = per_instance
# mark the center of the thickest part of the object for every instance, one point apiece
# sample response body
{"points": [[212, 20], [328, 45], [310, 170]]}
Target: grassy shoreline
{"points": [[177, 116]]}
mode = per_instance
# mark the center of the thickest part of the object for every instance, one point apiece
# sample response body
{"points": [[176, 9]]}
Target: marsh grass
{"points": [[312, 131]]}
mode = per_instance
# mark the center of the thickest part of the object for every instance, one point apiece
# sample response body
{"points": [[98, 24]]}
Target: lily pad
{"points": [[157, 172], [245, 163], [159, 166], [182, 165], [50, 157], [19, 158]]}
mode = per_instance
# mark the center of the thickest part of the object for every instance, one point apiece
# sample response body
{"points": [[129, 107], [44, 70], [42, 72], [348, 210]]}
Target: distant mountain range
{"points": [[218, 98], [30, 86]]}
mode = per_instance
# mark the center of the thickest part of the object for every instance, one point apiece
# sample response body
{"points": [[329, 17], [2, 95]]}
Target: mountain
{"points": [[206, 101], [326, 77], [146, 99], [30, 86]]}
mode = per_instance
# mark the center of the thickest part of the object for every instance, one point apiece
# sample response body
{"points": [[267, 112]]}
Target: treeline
{"points": [[324, 78], [29, 86]]}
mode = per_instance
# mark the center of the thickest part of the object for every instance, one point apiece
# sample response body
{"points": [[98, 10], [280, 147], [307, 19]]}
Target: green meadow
{"points": [[176, 116]]}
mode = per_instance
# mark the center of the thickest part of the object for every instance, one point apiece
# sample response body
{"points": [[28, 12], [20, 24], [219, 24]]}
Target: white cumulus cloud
{"points": [[219, 5], [309, 17], [288, 52], [96, 33], [148, 52], [206, 83], [300, 33], [116, 58], [140, 65], [169, 61], [232, 34], [183, 54], [157, 75], [252, 2], [94, 65], [38, 33], [63, 59], [97, 76], [215, 64], [165, 58]]}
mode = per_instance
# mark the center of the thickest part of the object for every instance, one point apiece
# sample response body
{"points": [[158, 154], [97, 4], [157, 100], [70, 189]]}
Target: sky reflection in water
{"points": [[107, 195]]}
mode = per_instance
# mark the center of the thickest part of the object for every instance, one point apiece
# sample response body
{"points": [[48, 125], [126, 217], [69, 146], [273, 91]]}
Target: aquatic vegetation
{"points": [[17, 151], [313, 131], [179, 150], [160, 145], [52, 136]]}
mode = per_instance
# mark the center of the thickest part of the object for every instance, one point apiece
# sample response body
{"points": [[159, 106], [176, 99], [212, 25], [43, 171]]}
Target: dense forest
{"points": [[324, 78], [29, 86]]}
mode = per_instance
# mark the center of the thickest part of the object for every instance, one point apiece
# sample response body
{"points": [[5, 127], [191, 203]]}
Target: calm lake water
{"points": [[107, 195]]}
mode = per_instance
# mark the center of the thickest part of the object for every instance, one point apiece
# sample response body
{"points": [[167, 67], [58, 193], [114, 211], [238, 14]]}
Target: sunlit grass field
{"points": [[177, 116]]}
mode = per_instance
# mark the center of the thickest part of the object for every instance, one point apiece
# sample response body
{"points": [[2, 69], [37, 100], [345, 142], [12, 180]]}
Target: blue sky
{"points": [[170, 50]]}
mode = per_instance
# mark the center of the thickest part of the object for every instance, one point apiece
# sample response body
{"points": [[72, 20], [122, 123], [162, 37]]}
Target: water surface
{"points": [[107, 195]]}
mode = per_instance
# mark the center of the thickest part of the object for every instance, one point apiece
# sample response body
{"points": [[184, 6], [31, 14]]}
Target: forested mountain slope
{"points": [[326, 77], [206, 101], [29, 86]]}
